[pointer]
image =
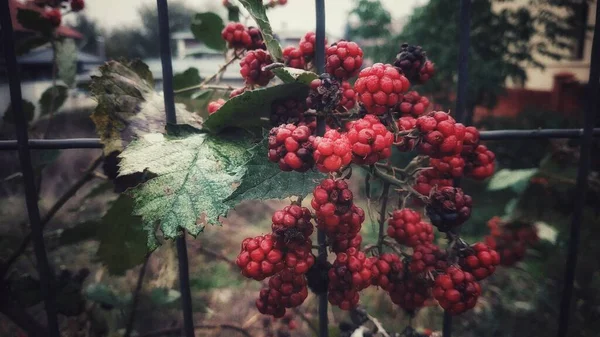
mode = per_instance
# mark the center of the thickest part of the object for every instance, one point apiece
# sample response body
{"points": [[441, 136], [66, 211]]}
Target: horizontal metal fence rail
{"points": [[23, 145]]}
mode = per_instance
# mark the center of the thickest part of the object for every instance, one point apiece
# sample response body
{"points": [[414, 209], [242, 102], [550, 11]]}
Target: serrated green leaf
{"points": [[188, 78], [251, 109], [207, 28], [34, 20], [194, 174], [233, 13], [291, 75], [128, 106], [66, 60], [28, 111], [122, 237], [258, 12], [264, 180], [514, 179], [53, 98]]}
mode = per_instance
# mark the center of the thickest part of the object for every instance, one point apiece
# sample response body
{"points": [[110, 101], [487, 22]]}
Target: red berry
{"points": [[299, 257], [251, 67], [308, 45], [426, 72], [371, 140], [54, 16], [479, 163], [352, 271], [440, 135], [325, 93], [335, 210], [406, 227], [292, 225], [287, 111], [451, 166], [343, 244], [291, 147], [406, 143], [237, 92], [257, 39], [479, 260], [510, 240], [380, 88], [427, 257], [348, 100], [413, 104], [77, 5], [471, 140], [411, 293], [293, 57], [260, 257], [215, 105], [388, 270], [343, 59], [448, 207], [332, 151], [429, 179], [456, 290], [236, 35]]}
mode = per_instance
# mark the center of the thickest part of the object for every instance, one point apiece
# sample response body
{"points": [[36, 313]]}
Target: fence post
{"points": [[582, 179], [31, 196], [167, 70]]}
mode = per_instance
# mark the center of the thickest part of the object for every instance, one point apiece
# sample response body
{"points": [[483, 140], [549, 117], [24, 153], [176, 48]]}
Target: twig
{"points": [[217, 256], [88, 175], [136, 297], [273, 66], [200, 326], [382, 215], [210, 79], [306, 320], [378, 325]]}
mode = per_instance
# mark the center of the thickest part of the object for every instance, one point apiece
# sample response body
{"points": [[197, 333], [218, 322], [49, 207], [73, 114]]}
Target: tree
{"points": [[91, 32], [506, 37]]}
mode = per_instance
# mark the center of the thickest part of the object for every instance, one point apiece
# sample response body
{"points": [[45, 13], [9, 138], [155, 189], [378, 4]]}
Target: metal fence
{"points": [[23, 145]]}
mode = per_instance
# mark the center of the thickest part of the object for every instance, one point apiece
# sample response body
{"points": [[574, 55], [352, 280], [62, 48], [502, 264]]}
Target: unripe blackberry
{"points": [[411, 293], [215, 105], [299, 258], [251, 67], [450, 166], [371, 140], [308, 45], [257, 39], [426, 72], [426, 258], [448, 208], [479, 260], [351, 270], [343, 59], [406, 227], [429, 179], [348, 100], [236, 35], [260, 257], [511, 240], [410, 60], [291, 147], [286, 111], [293, 57], [456, 290], [291, 288], [269, 303], [389, 270], [413, 104], [406, 143], [325, 93], [345, 299], [335, 211], [479, 163], [292, 225], [343, 244], [471, 140], [332, 152], [380, 88], [440, 135]]}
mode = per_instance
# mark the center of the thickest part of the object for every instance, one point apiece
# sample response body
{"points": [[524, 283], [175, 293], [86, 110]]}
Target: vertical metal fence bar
{"points": [[321, 238], [582, 179], [167, 70], [31, 196]]}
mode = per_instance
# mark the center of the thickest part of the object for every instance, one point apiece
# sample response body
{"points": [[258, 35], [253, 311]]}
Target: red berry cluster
{"points": [[291, 147], [440, 135], [411, 293], [332, 152], [348, 99], [343, 59], [479, 260], [261, 257], [351, 273], [237, 36], [293, 57], [388, 270], [429, 179], [325, 93], [252, 67], [380, 88], [413, 104], [406, 227], [370, 139], [456, 290], [448, 208], [479, 164], [427, 258], [215, 105], [292, 225], [308, 45], [285, 290], [511, 239]]}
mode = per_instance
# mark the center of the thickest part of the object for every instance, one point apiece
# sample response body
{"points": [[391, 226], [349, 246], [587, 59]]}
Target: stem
{"points": [[273, 66], [88, 175], [306, 320], [382, 215], [136, 297], [53, 95], [210, 79]]}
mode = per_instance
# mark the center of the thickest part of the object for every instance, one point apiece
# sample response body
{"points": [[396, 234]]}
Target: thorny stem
{"points": [[210, 79], [273, 66], [382, 215], [136, 297]]}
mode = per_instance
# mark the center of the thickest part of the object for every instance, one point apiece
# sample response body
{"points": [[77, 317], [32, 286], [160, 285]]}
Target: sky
{"points": [[296, 15]]}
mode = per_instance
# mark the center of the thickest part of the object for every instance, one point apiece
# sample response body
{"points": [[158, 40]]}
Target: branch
{"points": [[382, 214], [136, 297], [88, 175], [200, 326], [217, 256], [203, 84]]}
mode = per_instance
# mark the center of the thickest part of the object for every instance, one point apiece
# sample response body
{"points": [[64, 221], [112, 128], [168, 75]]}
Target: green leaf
{"points": [[53, 98], [102, 294], [514, 179], [28, 110], [81, 232], [207, 28], [291, 75], [34, 20], [194, 174], [258, 12], [66, 60], [251, 109], [164, 296], [25, 45], [233, 13], [186, 79], [128, 107], [264, 180], [122, 237]]}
